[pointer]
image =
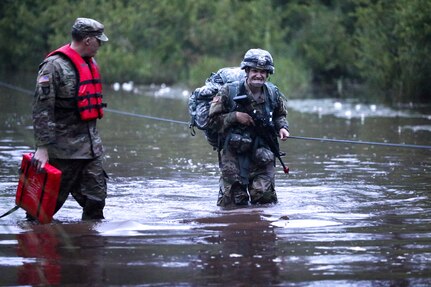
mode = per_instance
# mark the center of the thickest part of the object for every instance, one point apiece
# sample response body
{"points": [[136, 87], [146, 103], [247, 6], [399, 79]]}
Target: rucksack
{"points": [[200, 101]]}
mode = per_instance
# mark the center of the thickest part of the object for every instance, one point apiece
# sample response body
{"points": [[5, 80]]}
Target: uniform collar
{"points": [[260, 98]]}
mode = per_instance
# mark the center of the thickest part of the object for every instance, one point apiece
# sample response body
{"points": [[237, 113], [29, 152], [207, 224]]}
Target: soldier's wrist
{"points": [[231, 118], [284, 127]]}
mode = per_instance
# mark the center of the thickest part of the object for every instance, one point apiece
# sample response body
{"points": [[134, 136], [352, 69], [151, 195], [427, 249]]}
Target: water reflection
{"points": [[241, 253], [41, 248], [57, 253]]}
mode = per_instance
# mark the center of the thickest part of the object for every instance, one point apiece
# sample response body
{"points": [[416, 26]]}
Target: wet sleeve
{"points": [[280, 113], [44, 104], [219, 115]]}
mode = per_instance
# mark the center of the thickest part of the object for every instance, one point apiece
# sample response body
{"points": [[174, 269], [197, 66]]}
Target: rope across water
{"points": [[124, 113]]}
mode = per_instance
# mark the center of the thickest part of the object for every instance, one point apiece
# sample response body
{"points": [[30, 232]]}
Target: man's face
{"points": [[256, 77], [92, 46]]}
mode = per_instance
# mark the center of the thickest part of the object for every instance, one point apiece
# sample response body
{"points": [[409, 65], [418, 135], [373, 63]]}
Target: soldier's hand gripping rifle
{"points": [[264, 127]]}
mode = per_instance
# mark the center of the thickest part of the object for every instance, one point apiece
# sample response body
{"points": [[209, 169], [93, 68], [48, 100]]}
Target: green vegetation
{"points": [[319, 47]]}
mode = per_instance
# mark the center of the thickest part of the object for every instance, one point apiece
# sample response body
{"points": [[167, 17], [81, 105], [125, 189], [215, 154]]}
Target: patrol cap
{"points": [[90, 27]]}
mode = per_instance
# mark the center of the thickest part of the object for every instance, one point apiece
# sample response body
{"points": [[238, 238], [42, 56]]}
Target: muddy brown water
{"points": [[348, 215]]}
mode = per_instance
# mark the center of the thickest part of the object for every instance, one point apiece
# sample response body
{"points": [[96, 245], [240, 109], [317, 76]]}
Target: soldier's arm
{"points": [[280, 113], [220, 116], [44, 104]]}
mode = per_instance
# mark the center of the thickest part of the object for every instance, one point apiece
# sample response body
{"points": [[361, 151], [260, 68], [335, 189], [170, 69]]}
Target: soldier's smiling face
{"points": [[256, 77]]}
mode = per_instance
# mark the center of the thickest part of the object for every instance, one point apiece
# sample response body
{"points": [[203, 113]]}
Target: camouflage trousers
{"points": [[258, 189], [85, 180]]}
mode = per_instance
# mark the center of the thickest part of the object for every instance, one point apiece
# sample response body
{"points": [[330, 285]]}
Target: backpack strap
{"points": [[235, 88], [272, 92]]}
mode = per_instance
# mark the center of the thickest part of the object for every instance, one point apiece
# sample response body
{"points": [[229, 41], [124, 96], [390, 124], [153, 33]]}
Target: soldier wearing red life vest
{"points": [[66, 107]]}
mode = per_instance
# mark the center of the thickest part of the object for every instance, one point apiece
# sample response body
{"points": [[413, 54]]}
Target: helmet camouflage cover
{"points": [[258, 58]]}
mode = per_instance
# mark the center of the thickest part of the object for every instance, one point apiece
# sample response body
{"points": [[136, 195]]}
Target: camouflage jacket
{"points": [[222, 113], [56, 120]]}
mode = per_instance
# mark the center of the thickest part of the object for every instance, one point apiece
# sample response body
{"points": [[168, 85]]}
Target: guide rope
{"points": [[130, 114]]}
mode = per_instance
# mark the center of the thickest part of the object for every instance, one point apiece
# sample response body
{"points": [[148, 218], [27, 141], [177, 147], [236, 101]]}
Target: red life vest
{"points": [[89, 96]]}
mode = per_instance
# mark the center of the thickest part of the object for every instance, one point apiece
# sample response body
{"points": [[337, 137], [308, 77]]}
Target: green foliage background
{"points": [[345, 48]]}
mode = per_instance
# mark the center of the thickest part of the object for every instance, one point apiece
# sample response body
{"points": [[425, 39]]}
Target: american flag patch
{"points": [[43, 79]]}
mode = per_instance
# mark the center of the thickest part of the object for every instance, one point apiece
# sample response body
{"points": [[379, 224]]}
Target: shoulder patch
{"points": [[43, 79]]}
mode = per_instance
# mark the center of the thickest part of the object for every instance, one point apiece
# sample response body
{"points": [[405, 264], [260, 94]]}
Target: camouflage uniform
{"points": [[56, 119], [250, 166], [74, 146]]}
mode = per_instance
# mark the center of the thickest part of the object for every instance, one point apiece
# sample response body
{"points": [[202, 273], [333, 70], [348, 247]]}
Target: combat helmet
{"points": [[258, 58]]}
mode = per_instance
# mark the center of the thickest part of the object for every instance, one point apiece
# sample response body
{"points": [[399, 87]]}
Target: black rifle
{"points": [[264, 127]]}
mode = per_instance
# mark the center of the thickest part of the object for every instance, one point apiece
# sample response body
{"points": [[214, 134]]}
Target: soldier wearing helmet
{"points": [[259, 59], [246, 161]]}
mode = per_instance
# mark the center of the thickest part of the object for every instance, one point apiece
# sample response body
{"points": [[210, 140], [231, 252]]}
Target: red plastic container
{"points": [[37, 192]]}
